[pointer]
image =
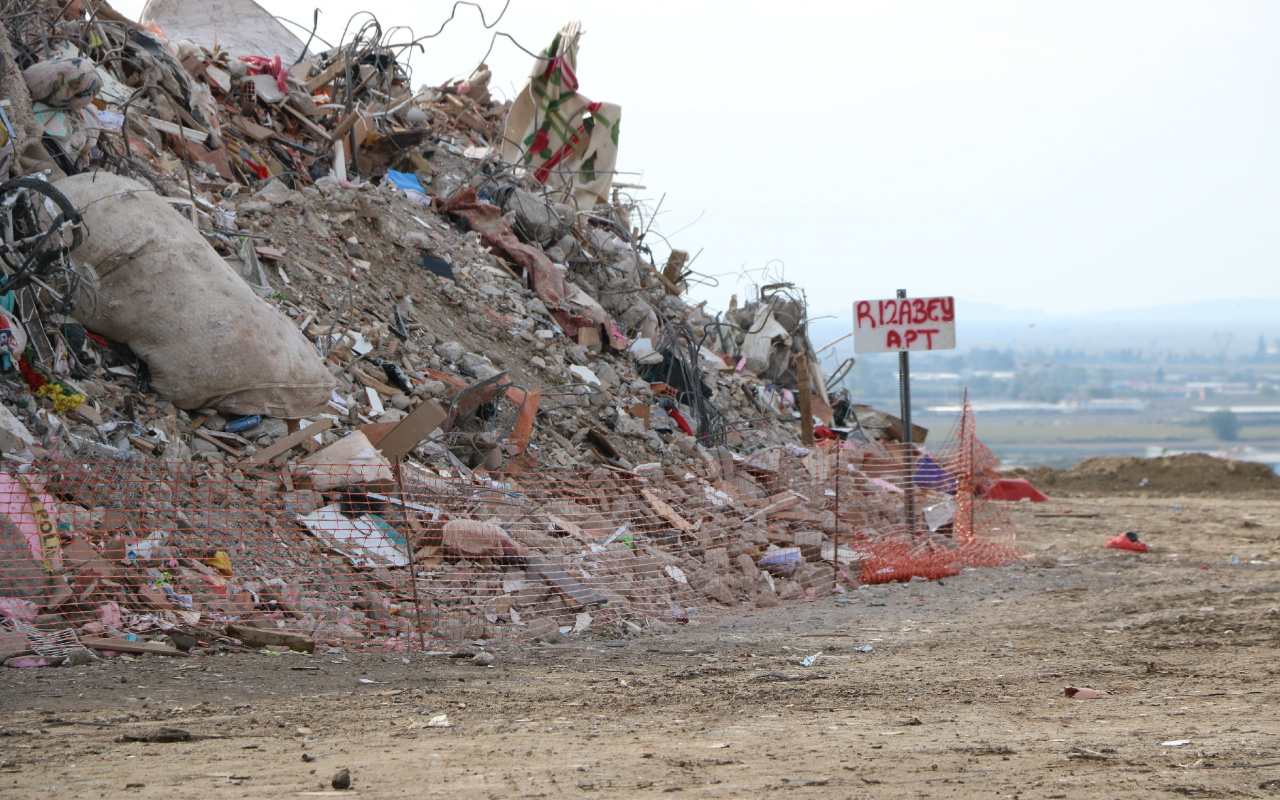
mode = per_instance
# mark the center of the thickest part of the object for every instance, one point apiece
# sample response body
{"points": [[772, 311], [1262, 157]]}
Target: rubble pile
{"points": [[259, 297], [421, 260]]}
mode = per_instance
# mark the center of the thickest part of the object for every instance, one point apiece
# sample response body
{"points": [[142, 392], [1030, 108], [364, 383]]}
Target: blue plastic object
{"points": [[243, 424], [406, 181]]}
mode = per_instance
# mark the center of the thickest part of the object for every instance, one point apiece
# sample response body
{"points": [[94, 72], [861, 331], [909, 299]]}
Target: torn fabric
{"points": [[568, 142], [552, 288]]}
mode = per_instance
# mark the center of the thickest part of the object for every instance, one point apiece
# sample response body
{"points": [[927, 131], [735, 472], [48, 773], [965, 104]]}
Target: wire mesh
{"points": [[410, 557]]}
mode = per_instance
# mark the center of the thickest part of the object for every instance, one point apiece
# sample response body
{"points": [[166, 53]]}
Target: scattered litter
{"points": [[1127, 541], [1082, 693]]}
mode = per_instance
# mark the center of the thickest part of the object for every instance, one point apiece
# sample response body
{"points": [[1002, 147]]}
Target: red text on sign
{"points": [[905, 311]]}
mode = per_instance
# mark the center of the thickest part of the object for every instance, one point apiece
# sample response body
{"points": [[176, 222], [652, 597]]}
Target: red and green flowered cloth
{"points": [[569, 142]]}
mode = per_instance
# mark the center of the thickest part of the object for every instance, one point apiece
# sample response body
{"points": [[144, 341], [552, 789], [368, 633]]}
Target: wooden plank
{"points": [[345, 125], [799, 515], [571, 528], [575, 593], [412, 430], [602, 443], [374, 383], [218, 443], [291, 441], [259, 133], [666, 512], [780, 505], [257, 637], [782, 538], [190, 134], [671, 288], [147, 447], [805, 392], [327, 75], [771, 499], [312, 128], [126, 646]]}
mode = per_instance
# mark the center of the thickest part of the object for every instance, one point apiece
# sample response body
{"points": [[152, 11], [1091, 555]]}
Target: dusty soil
{"points": [[962, 695], [1189, 473]]}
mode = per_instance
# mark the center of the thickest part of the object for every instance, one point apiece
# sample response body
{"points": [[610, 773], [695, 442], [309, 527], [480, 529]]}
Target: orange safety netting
{"points": [[408, 557]]}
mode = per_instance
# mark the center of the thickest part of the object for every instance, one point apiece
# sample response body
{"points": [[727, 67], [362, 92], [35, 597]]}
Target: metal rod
{"points": [[413, 570], [835, 554], [904, 391], [967, 442]]}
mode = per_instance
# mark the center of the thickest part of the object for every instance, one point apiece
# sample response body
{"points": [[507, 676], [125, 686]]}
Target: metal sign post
{"points": [[908, 464], [900, 326]]}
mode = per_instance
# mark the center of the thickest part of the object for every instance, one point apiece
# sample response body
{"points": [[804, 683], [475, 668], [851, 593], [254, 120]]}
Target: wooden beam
{"points": [[257, 637], [374, 383], [291, 441], [327, 75], [218, 443], [805, 390], [667, 512], [126, 646], [314, 129], [574, 593]]}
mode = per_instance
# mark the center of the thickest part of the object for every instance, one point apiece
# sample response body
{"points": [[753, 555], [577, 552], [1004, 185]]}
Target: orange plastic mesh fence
{"points": [[396, 558]]}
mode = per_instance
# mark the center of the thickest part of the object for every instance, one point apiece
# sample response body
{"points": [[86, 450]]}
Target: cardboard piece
{"points": [[412, 430], [589, 337], [641, 411], [351, 459], [375, 432]]}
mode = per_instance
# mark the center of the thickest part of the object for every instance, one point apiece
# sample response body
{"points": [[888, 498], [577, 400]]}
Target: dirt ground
{"points": [[961, 696]]}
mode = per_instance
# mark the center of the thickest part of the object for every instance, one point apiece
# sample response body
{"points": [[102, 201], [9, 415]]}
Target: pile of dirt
{"points": [[1189, 473]]}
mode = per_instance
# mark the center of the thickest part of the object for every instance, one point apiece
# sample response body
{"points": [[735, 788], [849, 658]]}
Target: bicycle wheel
{"points": [[40, 227]]}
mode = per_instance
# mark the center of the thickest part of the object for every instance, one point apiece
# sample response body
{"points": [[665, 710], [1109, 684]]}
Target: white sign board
{"points": [[905, 323]]}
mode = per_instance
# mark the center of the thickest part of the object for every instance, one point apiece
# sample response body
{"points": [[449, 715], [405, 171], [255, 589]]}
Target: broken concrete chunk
{"points": [[450, 351], [585, 374]]}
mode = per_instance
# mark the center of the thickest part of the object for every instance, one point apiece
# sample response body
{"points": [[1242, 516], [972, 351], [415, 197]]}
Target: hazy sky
{"points": [[1067, 156]]}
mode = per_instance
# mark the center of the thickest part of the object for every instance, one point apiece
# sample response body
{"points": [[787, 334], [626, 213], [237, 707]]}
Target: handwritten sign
{"points": [[905, 323]]}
